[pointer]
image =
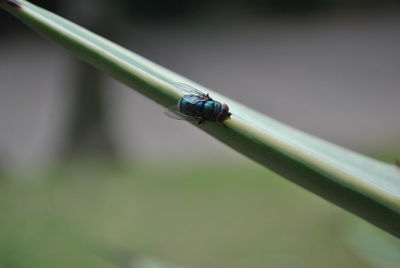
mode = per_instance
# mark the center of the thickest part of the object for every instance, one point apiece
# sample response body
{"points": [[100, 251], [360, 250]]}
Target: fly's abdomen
{"points": [[191, 105]]}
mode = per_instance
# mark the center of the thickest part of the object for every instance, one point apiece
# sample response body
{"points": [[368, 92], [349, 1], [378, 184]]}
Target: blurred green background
{"points": [[94, 175]]}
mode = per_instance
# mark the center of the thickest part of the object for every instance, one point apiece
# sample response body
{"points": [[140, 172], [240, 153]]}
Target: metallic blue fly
{"points": [[197, 106]]}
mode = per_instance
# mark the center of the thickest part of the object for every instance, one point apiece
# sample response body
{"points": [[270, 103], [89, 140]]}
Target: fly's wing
{"points": [[173, 112], [189, 89]]}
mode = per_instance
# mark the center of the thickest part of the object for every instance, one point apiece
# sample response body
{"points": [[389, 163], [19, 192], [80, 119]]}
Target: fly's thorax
{"points": [[211, 110]]}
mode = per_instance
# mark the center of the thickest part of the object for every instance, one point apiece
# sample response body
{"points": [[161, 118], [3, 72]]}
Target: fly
{"points": [[198, 106]]}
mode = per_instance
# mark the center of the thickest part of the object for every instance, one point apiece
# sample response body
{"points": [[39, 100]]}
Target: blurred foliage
{"points": [[315, 6], [100, 213], [378, 250], [161, 9], [175, 9], [290, 6]]}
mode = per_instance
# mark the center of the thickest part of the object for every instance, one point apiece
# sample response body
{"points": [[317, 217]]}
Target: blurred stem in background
{"points": [[87, 132]]}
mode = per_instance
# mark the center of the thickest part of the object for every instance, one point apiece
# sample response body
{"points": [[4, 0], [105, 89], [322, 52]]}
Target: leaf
{"points": [[359, 184]]}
